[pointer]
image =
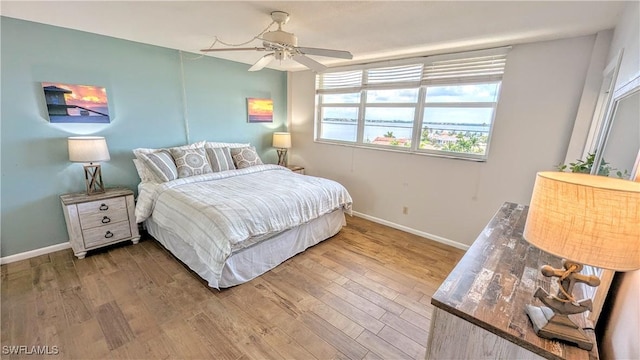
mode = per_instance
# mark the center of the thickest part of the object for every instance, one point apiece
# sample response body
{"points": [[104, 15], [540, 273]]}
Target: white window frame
{"points": [[419, 106]]}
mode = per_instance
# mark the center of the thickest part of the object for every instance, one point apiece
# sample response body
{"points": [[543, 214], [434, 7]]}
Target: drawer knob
{"points": [[106, 220], [104, 207], [108, 234]]}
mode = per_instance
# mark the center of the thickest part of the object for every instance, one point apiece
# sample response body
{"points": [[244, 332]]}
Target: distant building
{"points": [[443, 138], [382, 140]]}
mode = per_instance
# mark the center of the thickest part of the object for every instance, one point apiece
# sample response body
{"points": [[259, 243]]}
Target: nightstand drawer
{"points": [[106, 234], [93, 213]]}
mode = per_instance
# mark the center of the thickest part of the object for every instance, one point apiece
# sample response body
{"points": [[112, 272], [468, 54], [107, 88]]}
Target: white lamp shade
{"points": [[590, 219], [87, 149], [281, 140]]}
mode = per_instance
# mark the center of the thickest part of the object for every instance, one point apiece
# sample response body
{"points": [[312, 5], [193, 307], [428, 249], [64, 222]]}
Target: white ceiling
{"points": [[371, 30]]}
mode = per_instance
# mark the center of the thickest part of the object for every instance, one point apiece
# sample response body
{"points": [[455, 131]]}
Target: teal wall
{"points": [[145, 93]]}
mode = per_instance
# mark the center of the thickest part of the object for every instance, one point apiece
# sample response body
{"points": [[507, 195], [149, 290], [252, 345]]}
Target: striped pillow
{"points": [[220, 159], [146, 175], [161, 164]]}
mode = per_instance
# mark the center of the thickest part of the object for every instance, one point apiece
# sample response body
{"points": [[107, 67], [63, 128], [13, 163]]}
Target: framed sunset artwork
{"points": [[259, 110], [68, 103]]}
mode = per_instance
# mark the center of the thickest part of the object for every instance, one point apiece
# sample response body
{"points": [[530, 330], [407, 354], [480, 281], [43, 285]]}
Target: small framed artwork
{"points": [[68, 103], [259, 110]]}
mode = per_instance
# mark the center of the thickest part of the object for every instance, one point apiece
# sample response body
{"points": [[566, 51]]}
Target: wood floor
{"points": [[363, 294]]}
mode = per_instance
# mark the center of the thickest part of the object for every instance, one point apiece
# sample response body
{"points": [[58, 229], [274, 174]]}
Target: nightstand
{"points": [[97, 220], [296, 168]]}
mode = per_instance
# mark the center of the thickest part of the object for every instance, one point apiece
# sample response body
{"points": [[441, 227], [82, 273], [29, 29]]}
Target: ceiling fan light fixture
{"points": [[284, 46]]}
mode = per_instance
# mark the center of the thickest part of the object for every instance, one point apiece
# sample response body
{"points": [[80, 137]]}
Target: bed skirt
{"points": [[257, 259]]}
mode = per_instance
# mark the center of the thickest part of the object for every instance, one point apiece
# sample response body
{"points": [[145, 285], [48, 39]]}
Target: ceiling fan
{"points": [[284, 45]]}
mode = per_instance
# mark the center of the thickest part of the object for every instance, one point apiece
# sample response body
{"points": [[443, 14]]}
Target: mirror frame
{"points": [[600, 122], [629, 89], [632, 87]]}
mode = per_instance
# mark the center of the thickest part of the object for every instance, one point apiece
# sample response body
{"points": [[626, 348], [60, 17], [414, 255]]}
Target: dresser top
{"points": [[75, 198], [497, 277]]}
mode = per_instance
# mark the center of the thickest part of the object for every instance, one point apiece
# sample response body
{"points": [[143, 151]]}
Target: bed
{"points": [[232, 226]]}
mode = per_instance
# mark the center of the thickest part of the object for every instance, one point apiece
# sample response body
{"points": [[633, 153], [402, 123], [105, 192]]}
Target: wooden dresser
{"points": [[479, 309]]}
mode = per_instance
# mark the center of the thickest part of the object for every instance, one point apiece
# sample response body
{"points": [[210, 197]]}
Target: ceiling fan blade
{"points": [[310, 63], [262, 62], [235, 49], [326, 52]]}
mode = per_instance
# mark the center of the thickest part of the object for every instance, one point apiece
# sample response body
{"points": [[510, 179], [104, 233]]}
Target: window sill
{"points": [[443, 154]]}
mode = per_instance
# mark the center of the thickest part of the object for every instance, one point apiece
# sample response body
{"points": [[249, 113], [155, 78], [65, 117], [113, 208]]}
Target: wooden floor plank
{"points": [[356, 300], [383, 302], [340, 340], [394, 337], [234, 322], [405, 327], [114, 325], [360, 317], [416, 319], [363, 294], [77, 307], [380, 346], [220, 345]]}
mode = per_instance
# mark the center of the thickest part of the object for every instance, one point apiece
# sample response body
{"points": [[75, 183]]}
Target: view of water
{"points": [[346, 131]]}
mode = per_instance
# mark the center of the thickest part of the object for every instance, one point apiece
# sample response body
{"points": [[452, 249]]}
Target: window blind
{"points": [[469, 67], [476, 69], [394, 76], [345, 81]]}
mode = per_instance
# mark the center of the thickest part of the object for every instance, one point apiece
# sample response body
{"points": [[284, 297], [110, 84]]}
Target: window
{"points": [[442, 105]]}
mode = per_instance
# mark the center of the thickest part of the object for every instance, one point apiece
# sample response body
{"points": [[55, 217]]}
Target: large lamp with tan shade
{"points": [[90, 150], [585, 219]]}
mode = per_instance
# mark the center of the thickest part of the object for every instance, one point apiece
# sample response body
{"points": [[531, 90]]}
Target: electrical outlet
{"points": [[405, 210]]}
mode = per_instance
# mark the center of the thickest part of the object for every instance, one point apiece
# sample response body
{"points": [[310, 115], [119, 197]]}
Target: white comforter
{"points": [[220, 213]]}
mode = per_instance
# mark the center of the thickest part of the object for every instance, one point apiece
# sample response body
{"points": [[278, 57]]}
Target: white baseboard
{"points": [[66, 245], [33, 253], [423, 234]]}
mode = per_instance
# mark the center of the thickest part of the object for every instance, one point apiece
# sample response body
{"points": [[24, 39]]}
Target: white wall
{"points": [[622, 330], [627, 36], [454, 199]]}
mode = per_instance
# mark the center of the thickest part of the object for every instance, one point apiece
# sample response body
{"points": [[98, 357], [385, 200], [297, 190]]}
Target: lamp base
{"points": [[93, 179], [550, 325], [282, 157]]}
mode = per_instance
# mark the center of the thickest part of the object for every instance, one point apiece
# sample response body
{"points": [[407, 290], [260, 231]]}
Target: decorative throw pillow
{"points": [[245, 156], [190, 162], [161, 164], [220, 159]]}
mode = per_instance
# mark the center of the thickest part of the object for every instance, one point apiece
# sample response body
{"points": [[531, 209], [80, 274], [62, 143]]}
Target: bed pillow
{"points": [[190, 162], [145, 174], [245, 157], [161, 164], [220, 159], [214, 144], [143, 151]]}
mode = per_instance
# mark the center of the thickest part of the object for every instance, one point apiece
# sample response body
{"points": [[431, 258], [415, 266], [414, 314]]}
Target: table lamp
{"points": [[585, 219], [89, 150], [282, 141]]}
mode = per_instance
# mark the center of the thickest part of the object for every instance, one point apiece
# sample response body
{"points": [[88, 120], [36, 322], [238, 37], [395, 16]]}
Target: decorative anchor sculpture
{"points": [[553, 322]]}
